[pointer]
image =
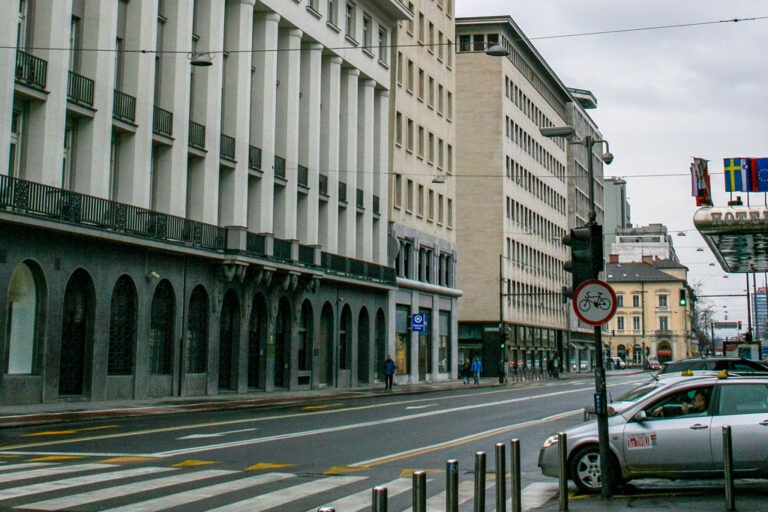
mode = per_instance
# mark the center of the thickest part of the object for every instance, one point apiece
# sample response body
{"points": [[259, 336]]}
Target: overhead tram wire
{"points": [[415, 45]]}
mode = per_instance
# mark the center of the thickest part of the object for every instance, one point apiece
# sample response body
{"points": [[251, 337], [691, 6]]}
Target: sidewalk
{"points": [[76, 409]]}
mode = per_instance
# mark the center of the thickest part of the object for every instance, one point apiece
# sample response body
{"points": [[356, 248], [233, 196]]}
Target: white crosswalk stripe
{"points": [[362, 500], [186, 497], [67, 483], [283, 496], [49, 471], [124, 490], [24, 465], [436, 503]]}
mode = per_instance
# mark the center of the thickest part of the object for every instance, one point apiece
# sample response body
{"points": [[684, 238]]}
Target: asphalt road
{"points": [[296, 457]]}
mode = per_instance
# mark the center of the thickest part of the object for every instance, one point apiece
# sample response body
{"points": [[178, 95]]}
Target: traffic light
{"points": [[683, 300], [739, 324], [586, 243], [503, 339]]}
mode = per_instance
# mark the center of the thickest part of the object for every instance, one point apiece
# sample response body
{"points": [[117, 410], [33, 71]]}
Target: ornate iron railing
{"points": [[80, 89], [303, 176], [279, 167], [349, 266], [256, 243], [196, 135], [227, 150], [162, 122], [254, 158], [281, 249], [31, 198], [31, 70], [306, 255], [124, 107]]}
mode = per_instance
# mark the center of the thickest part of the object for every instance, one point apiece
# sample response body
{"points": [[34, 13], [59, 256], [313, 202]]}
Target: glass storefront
{"points": [[402, 340], [444, 343]]}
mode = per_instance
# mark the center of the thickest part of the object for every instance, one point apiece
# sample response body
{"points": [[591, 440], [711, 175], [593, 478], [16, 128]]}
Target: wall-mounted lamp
{"points": [[202, 60], [153, 275], [439, 179]]}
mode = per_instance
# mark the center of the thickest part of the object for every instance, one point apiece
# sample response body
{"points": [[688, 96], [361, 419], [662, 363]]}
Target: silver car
{"points": [[674, 432]]}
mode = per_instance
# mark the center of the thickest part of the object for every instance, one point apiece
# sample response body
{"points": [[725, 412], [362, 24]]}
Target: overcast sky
{"points": [[663, 97]]}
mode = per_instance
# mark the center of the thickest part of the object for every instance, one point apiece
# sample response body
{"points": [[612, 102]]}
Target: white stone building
{"points": [[168, 229]]}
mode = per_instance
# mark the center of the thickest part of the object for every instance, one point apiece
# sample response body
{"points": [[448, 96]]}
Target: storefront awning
{"points": [[577, 346]]}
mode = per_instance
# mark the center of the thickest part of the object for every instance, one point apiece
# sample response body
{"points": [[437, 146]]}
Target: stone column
{"points": [[287, 129], [309, 135], [381, 175], [348, 159], [329, 150], [365, 144], [263, 101]]}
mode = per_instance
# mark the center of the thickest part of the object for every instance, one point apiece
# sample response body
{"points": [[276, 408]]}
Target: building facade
{"points": [[422, 197], [636, 243], [651, 321], [511, 196], [169, 229], [617, 211]]}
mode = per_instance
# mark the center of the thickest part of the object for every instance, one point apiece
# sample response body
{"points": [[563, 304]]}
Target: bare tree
{"points": [[702, 316]]}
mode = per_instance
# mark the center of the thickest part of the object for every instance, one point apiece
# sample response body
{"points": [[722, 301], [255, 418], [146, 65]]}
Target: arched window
{"points": [[161, 329], [76, 332], [229, 334], [197, 331], [380, 330], [283, 344], [325, 359], [23, 313], [363, 346], [122, 328], [257, 340], [345, 339]]}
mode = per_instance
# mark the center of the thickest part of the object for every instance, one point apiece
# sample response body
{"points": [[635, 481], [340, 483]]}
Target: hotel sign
{"points": [[737, 236]]}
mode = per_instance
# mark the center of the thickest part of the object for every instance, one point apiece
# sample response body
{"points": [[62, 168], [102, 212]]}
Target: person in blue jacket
{"points": [[477, 367], [389, 372]]}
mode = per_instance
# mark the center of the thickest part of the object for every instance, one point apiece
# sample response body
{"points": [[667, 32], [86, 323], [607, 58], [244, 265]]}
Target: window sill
{"points": [[333, 26], [351, 40], [314, 12], [368, 52], [383, 64]]}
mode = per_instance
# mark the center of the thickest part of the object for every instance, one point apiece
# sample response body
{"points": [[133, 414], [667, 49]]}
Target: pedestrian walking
{"points": [[477, 367], [466, 371], [389, 372]]}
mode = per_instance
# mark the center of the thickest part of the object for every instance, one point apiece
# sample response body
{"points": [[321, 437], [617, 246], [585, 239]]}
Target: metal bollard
{"points": [[419, 491], [730, 498], [514, 461], [501, 477], [479, 482], [452, 486], [379, 499], [562, 452]]}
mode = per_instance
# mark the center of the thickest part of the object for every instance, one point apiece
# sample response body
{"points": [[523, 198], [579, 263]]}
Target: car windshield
{"points": [[638, 392]]}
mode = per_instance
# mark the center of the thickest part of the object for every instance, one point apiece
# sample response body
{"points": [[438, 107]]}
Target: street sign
{"points": [[726, 325], [420, 323], [594, 302]]}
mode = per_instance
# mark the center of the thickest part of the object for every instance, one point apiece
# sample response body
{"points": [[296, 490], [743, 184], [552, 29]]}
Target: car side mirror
{"points": [[640, 416]]}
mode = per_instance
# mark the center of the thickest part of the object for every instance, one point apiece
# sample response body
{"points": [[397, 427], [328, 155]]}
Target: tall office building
{"points": [[617, 211], [422, 199], [174, 229]]}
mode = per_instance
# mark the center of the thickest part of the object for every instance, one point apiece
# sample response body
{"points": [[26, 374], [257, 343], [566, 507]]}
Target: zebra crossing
{"points": [[107, 486]]}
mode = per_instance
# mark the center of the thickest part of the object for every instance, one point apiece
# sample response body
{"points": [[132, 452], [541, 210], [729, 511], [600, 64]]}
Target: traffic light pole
{"points": [[502, 332]]}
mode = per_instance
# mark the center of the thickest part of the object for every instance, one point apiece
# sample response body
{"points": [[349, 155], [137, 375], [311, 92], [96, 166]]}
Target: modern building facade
{"points": [[168, 229], [760, 312], [650, 322], [512, 197], [637, 243], [617, 211], [422, 198]]}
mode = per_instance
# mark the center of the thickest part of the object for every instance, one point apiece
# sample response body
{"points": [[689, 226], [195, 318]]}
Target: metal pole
{"points": [[514, 457], [756, 333], [562, 452], [419, 491], [501, 314], [379, 499], [479, 482], [452, 486], [730, 499], [501, 477], [749, 304]]}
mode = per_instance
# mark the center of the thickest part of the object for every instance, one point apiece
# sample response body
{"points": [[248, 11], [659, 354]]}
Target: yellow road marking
{"points": [[268, 465], [65, 432], [335, 470], [409, 472], [320, 407], [56, 457], [127, 459], [193, 463]]}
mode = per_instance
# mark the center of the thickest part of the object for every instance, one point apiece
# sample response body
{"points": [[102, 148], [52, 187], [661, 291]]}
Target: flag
{"points": [[700, 187], [752, 184], [761, 165], [736, 174]]}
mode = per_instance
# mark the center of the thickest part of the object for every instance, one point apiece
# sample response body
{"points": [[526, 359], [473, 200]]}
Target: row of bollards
{"points": [[419, 479]]}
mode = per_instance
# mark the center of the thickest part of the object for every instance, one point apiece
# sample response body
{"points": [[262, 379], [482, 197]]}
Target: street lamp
{"points": [[600, 389]]}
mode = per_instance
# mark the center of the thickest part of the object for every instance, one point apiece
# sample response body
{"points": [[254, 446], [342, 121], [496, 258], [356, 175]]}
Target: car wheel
{"points": [[585, 469]]}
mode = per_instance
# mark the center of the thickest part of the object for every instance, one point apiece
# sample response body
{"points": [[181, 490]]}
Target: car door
{"points": [[743, 406], [672, 444]]}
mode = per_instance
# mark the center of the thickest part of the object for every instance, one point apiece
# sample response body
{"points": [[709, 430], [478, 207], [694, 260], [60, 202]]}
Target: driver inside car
{"points": [[697, 405]]}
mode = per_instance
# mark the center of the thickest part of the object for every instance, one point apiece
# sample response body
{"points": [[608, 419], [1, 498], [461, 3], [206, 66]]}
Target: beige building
{"points": [[651, 320], [421, 231]]}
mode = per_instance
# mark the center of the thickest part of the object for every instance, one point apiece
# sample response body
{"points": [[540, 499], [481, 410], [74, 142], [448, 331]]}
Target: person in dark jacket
{"points": [[466, 371], [389, 372]]}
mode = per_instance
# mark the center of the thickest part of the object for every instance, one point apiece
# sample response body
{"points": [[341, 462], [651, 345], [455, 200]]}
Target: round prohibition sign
{"points": [[594, 302]]}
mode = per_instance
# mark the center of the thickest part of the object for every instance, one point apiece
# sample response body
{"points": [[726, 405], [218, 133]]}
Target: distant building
{"points": [[760, 310], [617, 211], [636, 243]]}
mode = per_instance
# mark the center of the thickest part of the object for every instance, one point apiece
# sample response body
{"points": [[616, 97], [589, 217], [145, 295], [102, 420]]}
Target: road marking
{"points": [[461, 440], [421, 406], [24, 465], [64, 432], [216, 434], [283, 496], [320, 407], [77, 500], [192, 496], [48, 471], [408, 473], [66, 483], [466, 492], [362, 500], [536, 494], [193, 463], [127, 459], [268, 465], [337, 470], [53, 458]]}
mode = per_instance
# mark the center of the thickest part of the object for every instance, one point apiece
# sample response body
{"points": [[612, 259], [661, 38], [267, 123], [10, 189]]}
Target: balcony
{"points": [[306, 255], [124, 107], [303, 177], [254, 158], [162, 122], [196, 135], [29, 198], [348, 266], [31, 70], [664, 332], [80, 89], [282, 249], [279, 167], [360, 199], [227, 149], [323, 185], [342, 192]]}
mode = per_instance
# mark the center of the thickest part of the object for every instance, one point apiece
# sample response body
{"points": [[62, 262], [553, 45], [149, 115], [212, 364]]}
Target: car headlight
{"points": [[550, 441]]}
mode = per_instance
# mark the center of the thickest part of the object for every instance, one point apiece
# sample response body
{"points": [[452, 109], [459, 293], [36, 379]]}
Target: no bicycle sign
{"points": [[594, 302]]}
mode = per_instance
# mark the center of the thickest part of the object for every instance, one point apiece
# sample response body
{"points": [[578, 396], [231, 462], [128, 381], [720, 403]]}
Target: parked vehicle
{"points": [[732, 364], [653, 364], [674, 432], [617, 363]]}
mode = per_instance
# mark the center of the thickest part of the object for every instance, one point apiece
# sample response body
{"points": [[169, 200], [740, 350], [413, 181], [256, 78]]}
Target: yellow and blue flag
{"points": [[737, 174]]}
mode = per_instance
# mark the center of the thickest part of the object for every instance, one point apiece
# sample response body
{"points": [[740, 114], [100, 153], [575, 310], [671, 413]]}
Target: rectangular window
{"points": [[420, 213], [398, 190], [402, 340], [444, 345], [367, 23], [350, 20], [663, 301], [421, 84], [399, 129], [440, 99], [421, 28], [449, 101], [17, 140], [619, 301], [449, 53], [410, 76], [399, 68], [465, 43], [635, 301], [409, 206], [619, 323], [449, 158], [412, 20], [383, 46], [440, 208], [664, 323], [440, 46], [431, 211], [440, 151], [431, 148], [431, 92], [635, 323], [421, 142], [409, 134], [431, 37], [331, 14], [450, 212], [478, 42]]}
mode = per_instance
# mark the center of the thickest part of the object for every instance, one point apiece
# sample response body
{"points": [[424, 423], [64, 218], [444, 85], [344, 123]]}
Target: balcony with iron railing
{"points": [[124, 107], [80, 89], [323, 185], [282, 249], [279, 167], [196, 135], [31, 70], [162, 122], [342, 192], [303, 176], [663, 332], [254, 158], [227, 149]]}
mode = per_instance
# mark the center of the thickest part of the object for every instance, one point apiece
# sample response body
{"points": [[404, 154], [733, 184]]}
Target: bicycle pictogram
{"points": [[594, 302], [597, 301]]}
